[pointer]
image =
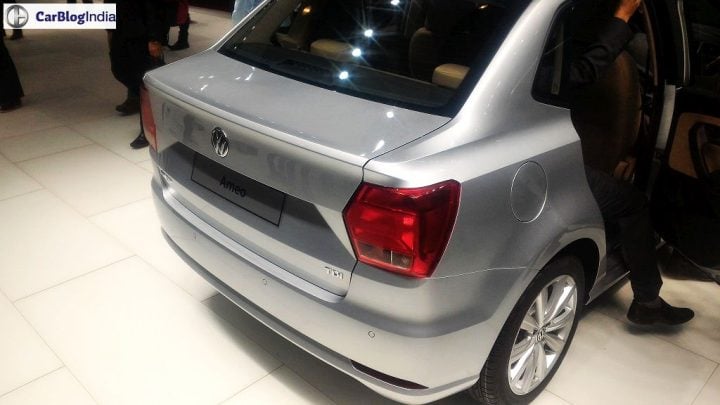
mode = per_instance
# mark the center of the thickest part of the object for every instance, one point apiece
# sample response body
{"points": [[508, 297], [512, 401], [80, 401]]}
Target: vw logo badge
{"points": [[17, 16], [220, 142]]}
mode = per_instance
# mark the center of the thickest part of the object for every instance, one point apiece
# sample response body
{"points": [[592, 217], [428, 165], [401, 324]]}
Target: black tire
{"points": [[493, 387]]}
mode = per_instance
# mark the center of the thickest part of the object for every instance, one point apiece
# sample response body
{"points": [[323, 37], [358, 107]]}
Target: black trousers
{"points": [[10, 87], [624, 206], [129, 60]]}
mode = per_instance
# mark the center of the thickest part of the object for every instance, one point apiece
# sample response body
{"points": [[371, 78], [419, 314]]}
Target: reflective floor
{"points": [[96, 309]]}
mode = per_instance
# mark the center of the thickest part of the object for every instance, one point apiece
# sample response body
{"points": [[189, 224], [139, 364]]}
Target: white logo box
{"points": [[59, 16]]}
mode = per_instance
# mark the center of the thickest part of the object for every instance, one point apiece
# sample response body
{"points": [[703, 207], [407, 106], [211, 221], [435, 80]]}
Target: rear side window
{"points": [[418, 54], [576, 26], [550, 85], [703, 19]]}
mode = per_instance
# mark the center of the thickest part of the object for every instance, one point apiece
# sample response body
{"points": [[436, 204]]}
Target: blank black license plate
{"points": [[261, 200]]}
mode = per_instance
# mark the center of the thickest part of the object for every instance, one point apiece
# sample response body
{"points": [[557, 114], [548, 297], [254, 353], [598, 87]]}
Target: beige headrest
{"points": [[331, 49], [449, 75]]}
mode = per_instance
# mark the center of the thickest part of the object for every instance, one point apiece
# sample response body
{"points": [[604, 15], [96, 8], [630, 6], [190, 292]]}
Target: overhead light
{"points": [[344, 75], [357, 52], [307, 10], [368, 33]]}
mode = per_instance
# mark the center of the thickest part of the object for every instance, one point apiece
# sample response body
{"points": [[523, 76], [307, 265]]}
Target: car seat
{"points": [[437, 42], [302, 25]]}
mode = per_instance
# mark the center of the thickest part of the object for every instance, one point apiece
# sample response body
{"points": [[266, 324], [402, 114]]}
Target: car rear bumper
{"points": [[415, 364]]}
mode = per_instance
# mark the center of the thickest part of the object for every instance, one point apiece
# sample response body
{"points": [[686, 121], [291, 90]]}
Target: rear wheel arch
{"points": [[589, 255], [493, 386]]}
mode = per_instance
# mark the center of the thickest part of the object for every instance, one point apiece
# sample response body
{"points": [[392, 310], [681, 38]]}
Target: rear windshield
{"points": [[418, 54]]}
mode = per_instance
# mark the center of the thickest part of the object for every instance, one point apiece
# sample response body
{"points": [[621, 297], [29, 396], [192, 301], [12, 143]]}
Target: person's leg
{"points": [[142, 62], [140, 141], [182, 42], [182, 18], [118, 63], [127, 67], [624, 205], [10, 88], [165, 40]]}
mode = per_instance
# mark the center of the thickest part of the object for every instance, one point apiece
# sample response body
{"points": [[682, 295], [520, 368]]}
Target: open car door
{"points": [[686, 197]]}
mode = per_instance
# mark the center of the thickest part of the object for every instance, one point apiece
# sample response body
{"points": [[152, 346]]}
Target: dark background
{"points": [[225, 5]]}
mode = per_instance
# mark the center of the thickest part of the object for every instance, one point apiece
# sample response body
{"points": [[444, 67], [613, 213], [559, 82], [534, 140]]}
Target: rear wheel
{"points": [[535, 337]]}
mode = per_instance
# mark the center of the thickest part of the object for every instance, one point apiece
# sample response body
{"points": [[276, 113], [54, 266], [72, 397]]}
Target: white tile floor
{"points": [[96, 309]]}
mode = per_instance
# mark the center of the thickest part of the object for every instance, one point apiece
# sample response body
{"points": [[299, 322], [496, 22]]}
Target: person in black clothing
{"points": [[177, 14], [134, 49], [621, 203], [10, 88], [16, 33]]}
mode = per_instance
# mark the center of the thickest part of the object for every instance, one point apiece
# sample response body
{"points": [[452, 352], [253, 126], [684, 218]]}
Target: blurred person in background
{"points": [[243, 8], [16, 33], [178, 15], [10, 88], [134, 49]]}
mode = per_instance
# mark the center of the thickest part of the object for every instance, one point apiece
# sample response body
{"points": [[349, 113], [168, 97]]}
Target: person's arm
{"points": [[626, 9], [587, 68], [154, 23]]}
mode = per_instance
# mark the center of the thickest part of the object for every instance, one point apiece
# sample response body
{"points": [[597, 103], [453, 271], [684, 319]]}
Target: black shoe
{"points": [[17, 34], [179, 46], [10, 105], [663, 313], [139, 142], [130, 106]]}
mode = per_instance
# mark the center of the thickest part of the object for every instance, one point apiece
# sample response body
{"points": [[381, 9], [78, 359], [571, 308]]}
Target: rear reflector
{"points": [[148, 121], [387, 378], [402, 230]]}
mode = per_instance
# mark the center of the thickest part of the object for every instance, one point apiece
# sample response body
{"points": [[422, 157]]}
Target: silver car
{"points": [[398, 186]]}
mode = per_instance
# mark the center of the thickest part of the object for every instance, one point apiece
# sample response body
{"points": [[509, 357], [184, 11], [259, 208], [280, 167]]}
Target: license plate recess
{"points": [[248, 194]]}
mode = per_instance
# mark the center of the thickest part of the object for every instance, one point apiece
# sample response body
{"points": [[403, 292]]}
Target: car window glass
{"points": [[563, 42], [419, 54], [574, 29], [555, 57], [703, 21]]}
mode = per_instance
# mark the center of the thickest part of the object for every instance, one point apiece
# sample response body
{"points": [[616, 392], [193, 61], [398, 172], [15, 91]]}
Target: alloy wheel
{"points": [[543, 335]]}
